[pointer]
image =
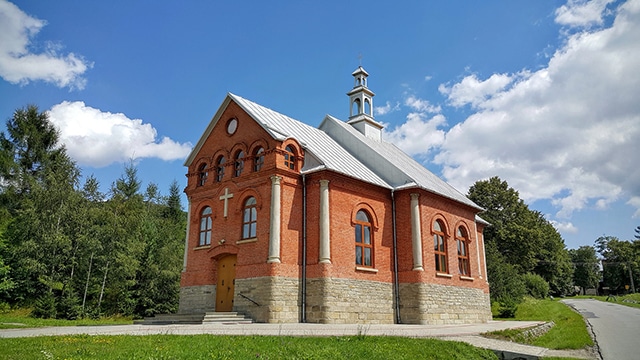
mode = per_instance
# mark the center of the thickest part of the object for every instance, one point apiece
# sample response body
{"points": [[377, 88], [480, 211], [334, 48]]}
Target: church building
{"points": [[290, 223]]}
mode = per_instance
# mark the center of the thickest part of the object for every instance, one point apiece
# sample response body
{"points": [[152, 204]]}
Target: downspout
{"points": [[396, 286], [303, 315]]}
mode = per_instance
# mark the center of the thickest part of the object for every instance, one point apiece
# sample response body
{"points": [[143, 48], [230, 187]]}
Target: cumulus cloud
{"points": [[421, 105], [567, 132], [387, 108], [98, 138], [473, 91], [582, 13], [19, 65], [418, 134], [564, 227]]}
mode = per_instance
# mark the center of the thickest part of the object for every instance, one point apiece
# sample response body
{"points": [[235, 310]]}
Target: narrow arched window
{"points": [[205, 227], [250, 219], [220, 168], [462, 242], [258, 161], [290, 158], [364, 240], [203, 173], [239, 163], [440, 246]]}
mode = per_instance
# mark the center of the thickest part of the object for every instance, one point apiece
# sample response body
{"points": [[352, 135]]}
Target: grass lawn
{"points": [[19, 318], [569, 332], [631, 300], [236, 347]]}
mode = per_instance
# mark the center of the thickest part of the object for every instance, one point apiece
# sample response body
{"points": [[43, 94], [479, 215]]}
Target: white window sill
{"points": [[371, 270], [444, 275], [246, 241], [467, 278], [202, 247]]}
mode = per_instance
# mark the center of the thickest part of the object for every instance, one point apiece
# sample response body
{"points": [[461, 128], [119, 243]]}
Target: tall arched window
{"points": [[364, 240], [239, 163], [220, 168], [250, 219], [440, 246], [462, 241], [290, 158], [203, 173], [205, 227], [258, 161]]}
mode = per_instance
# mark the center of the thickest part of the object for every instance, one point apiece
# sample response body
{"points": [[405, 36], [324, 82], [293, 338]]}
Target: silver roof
{"points": [[339, 147], [396, 167], [326, 152]]}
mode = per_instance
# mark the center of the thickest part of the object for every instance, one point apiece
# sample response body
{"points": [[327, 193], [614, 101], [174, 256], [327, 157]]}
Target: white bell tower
{"points": [[361, 106]]}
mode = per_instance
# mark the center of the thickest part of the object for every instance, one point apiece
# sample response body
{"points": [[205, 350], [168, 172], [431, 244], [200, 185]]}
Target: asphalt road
{"points": [[616, 327]]}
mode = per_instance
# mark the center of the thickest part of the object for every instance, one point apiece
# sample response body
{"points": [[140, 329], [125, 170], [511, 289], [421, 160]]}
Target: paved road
{"points": [[616, 327]]}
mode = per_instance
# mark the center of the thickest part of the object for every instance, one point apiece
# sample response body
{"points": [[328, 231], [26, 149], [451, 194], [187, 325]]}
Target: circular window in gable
{"points": [[232, 126]]}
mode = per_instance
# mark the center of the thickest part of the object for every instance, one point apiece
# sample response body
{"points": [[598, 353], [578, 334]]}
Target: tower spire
{"points": [[361, 106]]}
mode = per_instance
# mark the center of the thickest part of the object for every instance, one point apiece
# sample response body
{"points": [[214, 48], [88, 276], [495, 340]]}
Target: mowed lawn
{"points": [[235, 347]]}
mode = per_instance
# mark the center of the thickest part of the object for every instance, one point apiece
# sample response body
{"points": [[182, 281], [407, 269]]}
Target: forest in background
{"points": [[67, 249]]}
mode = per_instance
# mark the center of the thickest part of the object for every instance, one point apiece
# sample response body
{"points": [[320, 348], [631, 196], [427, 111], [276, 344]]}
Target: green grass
{"points": [[631, 300], [19, 318], [569, 332], [236, 347]]}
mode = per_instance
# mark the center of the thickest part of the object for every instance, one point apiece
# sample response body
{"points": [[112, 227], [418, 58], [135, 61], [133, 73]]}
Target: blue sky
{"points": [[544, 94]]}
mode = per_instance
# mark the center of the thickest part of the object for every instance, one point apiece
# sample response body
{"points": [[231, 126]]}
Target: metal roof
{"points": [[321, 146]]}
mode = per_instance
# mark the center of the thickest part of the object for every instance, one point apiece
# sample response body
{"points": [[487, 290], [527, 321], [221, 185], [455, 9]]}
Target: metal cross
{"points": [[226, 198]]}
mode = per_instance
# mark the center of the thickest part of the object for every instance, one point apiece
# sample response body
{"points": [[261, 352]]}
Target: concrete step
{"points": [[226, 318], [199, 318]]}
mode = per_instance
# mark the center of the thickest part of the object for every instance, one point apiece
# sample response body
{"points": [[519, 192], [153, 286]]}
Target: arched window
{"points": [[250, 219], [462, 241], [205, 227], [367, 106], [203, 173], [364, 240], [355, 107], [239, 164], [290, 158], [220, 168], [440, 246], [258, 161]]}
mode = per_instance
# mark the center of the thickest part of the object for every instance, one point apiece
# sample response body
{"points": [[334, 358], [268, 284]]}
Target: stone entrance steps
{"points": [[199, 318]]}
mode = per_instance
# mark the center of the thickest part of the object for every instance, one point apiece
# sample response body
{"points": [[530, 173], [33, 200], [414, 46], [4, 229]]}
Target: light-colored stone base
{"points": [[277, 298], [439, 304], [348, 301], [197, 299]]}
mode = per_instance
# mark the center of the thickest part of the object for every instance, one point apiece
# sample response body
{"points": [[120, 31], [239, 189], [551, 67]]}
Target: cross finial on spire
{"points": [[360, 58]]}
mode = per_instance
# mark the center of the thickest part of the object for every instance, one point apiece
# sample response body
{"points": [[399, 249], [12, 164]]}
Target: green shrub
{"points": [[45, 307], [536, 286], [68, 307]]}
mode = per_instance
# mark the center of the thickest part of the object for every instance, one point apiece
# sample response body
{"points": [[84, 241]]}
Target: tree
{"points": [[637, 230], [524, 238], [587, 267], [620, 262]]}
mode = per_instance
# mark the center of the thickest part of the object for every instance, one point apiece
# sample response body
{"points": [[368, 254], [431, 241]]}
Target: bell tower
{"points": [[361, 106]]}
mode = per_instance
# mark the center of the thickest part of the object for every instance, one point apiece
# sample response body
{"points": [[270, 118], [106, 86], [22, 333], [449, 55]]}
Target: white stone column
{"points": [[475, 226], [416, 234], [274, 226], [325, 245], [186, 238]]}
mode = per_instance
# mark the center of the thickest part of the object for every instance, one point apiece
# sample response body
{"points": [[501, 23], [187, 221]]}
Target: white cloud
{"points": [[421, 105], [473, 91], [18, 65], [387, 108], [582, 13], [567, 132], [418, 134], [564, 227], [97, 138]]}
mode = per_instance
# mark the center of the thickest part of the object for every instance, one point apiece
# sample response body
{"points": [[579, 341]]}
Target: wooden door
{"points": [[226, 282]]}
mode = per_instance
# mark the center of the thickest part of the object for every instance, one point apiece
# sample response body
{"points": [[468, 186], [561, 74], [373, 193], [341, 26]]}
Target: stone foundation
{"points": [[439, 304], [348, 301], [277, 299], [197, 299]]}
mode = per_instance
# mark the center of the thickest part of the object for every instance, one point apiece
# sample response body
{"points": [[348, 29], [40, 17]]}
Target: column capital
{"points": [[414, 196], [323, 182], [275, 179]]}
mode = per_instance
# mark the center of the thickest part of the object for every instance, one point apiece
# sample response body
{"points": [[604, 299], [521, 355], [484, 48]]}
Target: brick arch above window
{"points": [[373, 218], [443, 220]]}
